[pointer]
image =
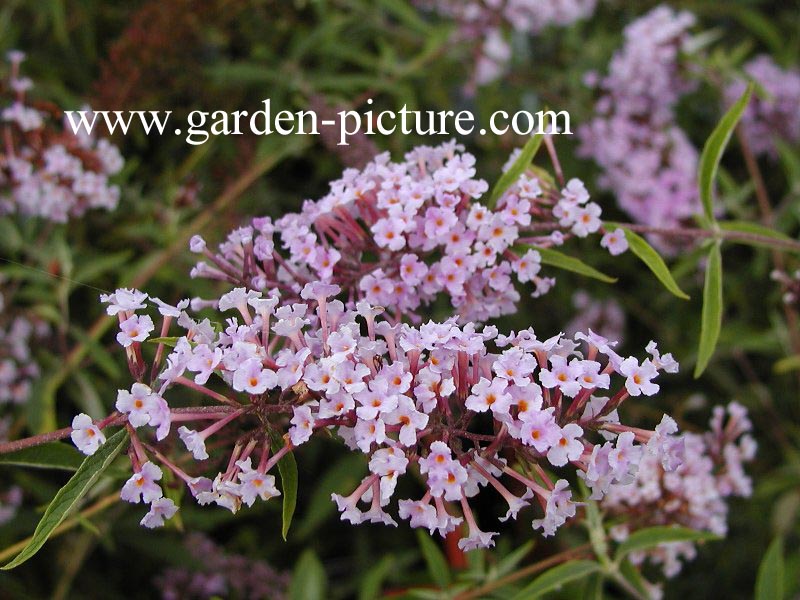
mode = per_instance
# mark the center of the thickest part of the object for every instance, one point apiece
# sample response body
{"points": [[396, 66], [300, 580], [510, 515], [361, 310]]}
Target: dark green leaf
{"points": [[89, 270], [341, 477], [437, 564], [633, 576], [769, 584], [713, 150], [711, 319], [754, 229], [372, 581], [167, 341], [510, 562], [787, 364], [68, 496], [653, 536], [557, 259], [519, 167], [648, 255], [55, 455], [558, 576], [287, 467], [309, 581]]}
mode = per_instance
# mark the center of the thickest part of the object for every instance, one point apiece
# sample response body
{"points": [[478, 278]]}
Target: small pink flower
{"points": [[86, 435], [615, 242]]}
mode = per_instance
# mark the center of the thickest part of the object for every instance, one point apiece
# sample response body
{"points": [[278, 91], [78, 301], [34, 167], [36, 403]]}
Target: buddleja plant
{"points": [[322, 330]]}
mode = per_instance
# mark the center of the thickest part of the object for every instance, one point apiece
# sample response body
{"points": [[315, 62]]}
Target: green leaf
{"points": [[557, 259], [437, 564], [170, 342], [287, 467], [510, 562], [713, 150], [633, 576], [787, 364], [93, 268], [711, 319], [309, 581], [558, 576], [769, 583], [342, 477], [372, 581], [55, 455], [519, 167], [68, 496], [755, 229], [593, 587], [406, 14], [648, 255], [653, 536]]}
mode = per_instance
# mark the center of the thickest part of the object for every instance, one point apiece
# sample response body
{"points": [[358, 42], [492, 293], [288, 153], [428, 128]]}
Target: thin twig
{"points": [[98, 506], [60, 434], [579, 552], [768, 219]]}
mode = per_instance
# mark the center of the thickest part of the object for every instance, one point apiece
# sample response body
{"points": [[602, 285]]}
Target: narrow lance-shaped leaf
{"points": [[769, 583], [520, 165], [711, 319], [653, 536], [648, 255], [787, 364], [754, 229], [713, 150], [309, 581], [55, 455], [287, 467], [510, 562], [558, 576], [633, 576], [437, 564], [554, 258], [68, 496]]}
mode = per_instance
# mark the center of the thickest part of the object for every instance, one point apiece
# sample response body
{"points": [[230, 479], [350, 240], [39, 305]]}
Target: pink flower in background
{"points": [[46, 171], [772, 112]]}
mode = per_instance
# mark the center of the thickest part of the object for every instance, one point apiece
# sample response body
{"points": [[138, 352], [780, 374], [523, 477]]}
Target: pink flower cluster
{"points": [[18, 369], [18, 372], [695, 494], [10, 501], [773, 110], [45, 170], [448, 402], [647, 159], [399, 234], [604, 316], [487, 23], [217, 574]]}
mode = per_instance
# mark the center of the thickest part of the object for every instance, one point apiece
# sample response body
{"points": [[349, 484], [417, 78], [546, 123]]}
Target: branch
{"points": [[60, 434], [696, 233], [582, 551]]}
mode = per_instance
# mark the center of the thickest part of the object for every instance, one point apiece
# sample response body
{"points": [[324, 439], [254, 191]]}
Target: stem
{"points": [[582, 551], [101, 504], [626, 585], [768, 218], [734, 236], [551, 150], [210, 393], [60, 434]]}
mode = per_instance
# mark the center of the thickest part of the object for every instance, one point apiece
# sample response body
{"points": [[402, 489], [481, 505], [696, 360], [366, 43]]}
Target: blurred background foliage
{"points": [[183, 55]]}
